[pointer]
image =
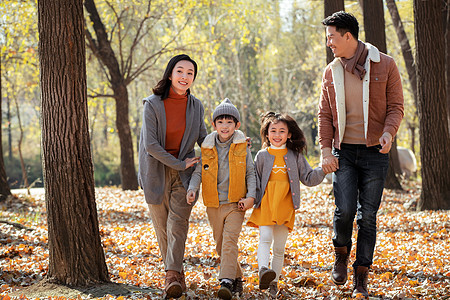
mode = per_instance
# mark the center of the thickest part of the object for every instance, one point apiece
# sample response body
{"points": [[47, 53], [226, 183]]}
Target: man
{"points": [[360, 110]]}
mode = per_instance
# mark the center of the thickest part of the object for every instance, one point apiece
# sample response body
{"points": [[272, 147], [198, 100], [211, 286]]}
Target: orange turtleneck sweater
{"points": [[175, 106]]}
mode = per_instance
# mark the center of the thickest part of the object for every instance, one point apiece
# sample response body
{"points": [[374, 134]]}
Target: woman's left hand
{"points": [[191, 161]]}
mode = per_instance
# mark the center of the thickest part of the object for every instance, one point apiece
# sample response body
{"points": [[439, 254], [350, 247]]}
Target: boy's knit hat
{"points": [[226, 108]]}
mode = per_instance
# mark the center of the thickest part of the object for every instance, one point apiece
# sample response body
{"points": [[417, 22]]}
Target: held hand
{"points": [[191, 161], [190, 197], [246, 203], [329, 163], [385, 142], [249, 142]]}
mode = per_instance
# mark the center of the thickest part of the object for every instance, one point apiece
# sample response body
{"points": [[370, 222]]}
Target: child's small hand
{"points": [[190, 197], [246, 203], [326, 171]]}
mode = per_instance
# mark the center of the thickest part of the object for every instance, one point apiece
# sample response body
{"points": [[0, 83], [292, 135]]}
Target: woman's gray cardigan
{"points": [[298, 170], [152, 154]]}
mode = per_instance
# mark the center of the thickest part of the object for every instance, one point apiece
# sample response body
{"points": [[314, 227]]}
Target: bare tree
{"points": [[123, 67], [409, 61], [432, 100], [102, 48], [404, 44], [19, 145], [76, 255], [374, 27]]}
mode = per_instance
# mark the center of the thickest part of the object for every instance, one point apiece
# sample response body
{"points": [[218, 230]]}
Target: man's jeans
{"points": [[358, 188]]}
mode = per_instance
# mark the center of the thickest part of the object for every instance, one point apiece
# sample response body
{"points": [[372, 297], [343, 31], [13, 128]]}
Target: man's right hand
{"points": [[329, 162]]}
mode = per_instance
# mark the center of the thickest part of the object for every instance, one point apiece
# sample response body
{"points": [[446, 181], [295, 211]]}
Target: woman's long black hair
{"points": [[297, 141], [163, 87]]}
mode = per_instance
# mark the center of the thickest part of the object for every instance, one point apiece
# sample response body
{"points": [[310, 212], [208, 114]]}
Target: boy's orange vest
{"points": [[237, 156]]}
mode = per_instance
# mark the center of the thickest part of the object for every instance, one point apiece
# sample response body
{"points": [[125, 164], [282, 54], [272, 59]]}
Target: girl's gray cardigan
{"points": [[152, 154], [298, 170]]}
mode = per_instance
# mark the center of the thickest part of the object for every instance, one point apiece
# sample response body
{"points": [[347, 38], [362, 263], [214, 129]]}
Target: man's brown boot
{"points": [[172, 287], [360, 277], [339, 272]]}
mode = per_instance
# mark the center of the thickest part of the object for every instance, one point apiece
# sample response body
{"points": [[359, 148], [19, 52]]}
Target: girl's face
{"points": [[278, 134], [182, 76]]}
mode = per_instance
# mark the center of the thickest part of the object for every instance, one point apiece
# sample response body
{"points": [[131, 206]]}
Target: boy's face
{"points": [[225, 128]]}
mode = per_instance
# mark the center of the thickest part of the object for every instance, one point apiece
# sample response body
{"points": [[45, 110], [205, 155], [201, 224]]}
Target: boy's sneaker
{"points": [[225, 291], [237, 286], [172, 288], [266, 276]]}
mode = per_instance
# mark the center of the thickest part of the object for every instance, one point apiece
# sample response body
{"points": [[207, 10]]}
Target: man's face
{"points": [[339, 44]]}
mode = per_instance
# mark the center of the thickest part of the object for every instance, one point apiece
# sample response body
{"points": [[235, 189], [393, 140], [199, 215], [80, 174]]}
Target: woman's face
{"points": [[182, 76]]}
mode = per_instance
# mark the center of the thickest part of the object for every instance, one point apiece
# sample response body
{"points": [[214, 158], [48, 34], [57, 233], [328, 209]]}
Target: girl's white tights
{"points": [[276, 234]]}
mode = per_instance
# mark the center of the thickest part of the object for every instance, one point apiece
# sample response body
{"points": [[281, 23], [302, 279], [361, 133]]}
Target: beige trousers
{"points": [[226, 222], [171, 221]]}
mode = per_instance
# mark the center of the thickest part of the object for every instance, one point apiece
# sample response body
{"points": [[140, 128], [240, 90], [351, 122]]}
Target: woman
{"points": [[172, 123]]}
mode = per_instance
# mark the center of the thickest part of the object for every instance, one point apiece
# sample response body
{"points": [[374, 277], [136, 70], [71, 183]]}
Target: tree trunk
{"points": [[127, 169], [330, 7], [19, 145], [104, 52], [76, 255], [392, 181], [432, 100], [405, 46], [374, 27], [447, 47], [407, 57], [412, 130], [105, 129], [5, 191], [8, 117]]}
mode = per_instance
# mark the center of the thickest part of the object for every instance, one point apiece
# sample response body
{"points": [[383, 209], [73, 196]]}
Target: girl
{"points": [[280, 166], [172, 124]]}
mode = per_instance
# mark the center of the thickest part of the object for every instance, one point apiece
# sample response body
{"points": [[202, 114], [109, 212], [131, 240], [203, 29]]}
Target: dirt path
{"points": [[46, 289]]}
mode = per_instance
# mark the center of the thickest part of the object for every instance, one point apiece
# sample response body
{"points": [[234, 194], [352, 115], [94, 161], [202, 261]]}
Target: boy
{"points": [[228, 180]]}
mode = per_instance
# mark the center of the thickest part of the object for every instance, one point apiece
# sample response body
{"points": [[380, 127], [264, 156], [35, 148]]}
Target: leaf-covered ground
{"points": [[412, 256]]}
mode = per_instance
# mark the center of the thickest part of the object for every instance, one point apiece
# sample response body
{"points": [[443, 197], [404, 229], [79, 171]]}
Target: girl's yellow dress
{"points": [[276, 205]]}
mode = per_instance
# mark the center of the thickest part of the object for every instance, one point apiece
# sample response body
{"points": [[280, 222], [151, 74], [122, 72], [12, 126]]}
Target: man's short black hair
{"points": [[344, 22]]}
